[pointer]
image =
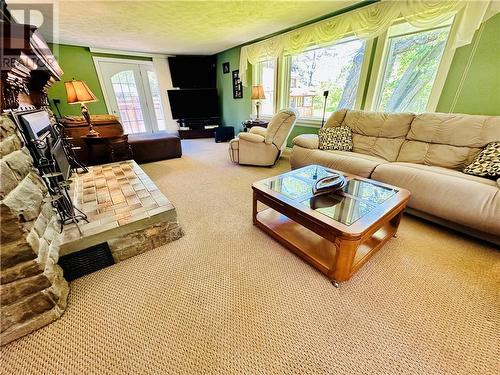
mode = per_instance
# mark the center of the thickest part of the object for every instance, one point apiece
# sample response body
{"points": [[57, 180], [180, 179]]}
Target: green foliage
{"points": [[327, 69], [412, 63]]}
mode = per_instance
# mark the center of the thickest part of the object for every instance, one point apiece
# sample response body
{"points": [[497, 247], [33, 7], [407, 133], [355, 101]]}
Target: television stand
{"points": [[203, 128]]}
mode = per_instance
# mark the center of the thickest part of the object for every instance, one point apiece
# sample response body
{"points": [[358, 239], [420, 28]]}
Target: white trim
{"points": [[465, 73], [363, 74], [127, 53], [444, 65], [140, 64], [122, 61], [309, 123], [97, 59], [376, 72], [101, 81], [379, 66]]}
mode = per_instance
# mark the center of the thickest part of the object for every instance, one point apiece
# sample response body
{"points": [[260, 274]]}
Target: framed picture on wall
{"points": [[225, 67], [237, 85]]}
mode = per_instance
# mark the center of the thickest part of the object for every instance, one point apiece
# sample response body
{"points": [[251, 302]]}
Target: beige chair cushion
{"points": [[448, 140], [280, 126], [258, 130], [377, 134], [454, 196], [260, 154], [234, 145], [346, 161], [251, 137], [261, 146]]}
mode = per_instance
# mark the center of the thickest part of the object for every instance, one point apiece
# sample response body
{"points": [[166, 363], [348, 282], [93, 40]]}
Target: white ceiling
{"points": [[181, 27]]}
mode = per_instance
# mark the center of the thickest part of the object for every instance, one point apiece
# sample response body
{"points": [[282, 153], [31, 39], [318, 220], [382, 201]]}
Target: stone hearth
{"points": [[124, 208]]}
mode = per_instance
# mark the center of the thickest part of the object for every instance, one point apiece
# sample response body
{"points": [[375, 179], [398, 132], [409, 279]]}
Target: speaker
{"points": [[224, 134]]}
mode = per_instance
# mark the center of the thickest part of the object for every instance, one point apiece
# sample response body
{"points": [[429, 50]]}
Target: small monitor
{"points": [[37, 124]]}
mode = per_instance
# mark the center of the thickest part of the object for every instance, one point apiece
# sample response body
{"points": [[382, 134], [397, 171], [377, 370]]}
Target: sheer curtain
{"points": [[371, 21]]}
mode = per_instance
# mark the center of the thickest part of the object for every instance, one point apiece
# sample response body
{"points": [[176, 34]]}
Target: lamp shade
{"points": [[258, 92], [78, 92]]}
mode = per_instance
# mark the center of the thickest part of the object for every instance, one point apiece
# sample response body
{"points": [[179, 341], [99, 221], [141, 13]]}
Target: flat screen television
{"points": [[192, 104]]}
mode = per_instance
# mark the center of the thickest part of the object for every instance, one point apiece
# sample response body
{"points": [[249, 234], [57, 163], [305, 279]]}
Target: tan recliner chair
{"points": [[263, 146]]}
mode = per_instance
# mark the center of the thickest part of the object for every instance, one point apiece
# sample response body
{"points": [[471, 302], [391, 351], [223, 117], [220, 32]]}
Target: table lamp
{"points": [[258, 94], [79, 93]]}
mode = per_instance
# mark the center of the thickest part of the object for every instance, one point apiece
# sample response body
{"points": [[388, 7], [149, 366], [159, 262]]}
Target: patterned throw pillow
{"points": [[335, 138], [487, 163]]}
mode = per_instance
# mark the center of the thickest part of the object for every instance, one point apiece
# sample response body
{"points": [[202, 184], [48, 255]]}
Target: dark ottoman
{"points": [[150, 147]]}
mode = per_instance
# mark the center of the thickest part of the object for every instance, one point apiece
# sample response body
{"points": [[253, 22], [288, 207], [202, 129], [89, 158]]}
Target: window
{"points": [[336, 68], [412, 59], [128, 101], [265, 75]]}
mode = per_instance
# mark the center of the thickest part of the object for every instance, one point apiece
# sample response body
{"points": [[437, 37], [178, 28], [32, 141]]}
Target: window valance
{"points": [[371, 21]]}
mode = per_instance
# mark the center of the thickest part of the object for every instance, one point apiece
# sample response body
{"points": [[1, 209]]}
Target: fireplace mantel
{"points": [[28, 66]]}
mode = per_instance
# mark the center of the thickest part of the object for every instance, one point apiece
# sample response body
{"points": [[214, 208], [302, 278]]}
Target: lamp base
{"points": [[86, 116], [92, 133]]}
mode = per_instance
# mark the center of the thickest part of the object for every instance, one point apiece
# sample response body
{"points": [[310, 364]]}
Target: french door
{"points": [[131, 92]]}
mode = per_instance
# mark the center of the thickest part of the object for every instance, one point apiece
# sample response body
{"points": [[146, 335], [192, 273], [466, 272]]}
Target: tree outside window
{"points": [[336, 68], [412, 62]]}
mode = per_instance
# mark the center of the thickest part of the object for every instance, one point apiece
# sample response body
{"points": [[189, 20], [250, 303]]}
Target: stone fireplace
{"points": [[33, 291], [125, 210]]}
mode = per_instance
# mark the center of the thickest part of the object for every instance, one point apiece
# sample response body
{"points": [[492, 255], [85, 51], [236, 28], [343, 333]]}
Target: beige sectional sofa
{"points": [[423, 153]]}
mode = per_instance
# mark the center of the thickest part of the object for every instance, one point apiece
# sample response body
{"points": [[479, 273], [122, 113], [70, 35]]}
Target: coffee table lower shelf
{"points": [[338, 258]]}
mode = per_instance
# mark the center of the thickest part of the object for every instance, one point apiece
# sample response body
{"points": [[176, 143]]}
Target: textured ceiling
{"points": [[181, 27]]}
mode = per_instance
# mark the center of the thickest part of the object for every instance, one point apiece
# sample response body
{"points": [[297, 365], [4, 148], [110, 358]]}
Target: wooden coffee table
{"points": [[336, 233]]}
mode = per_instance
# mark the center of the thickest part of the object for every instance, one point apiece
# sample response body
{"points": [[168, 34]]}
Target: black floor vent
{"points": [[86, 261]]}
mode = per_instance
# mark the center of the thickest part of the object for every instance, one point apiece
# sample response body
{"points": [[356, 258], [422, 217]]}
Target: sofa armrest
{"points": [[250, 137], [306, 141], [258, 130], [498, 182]]}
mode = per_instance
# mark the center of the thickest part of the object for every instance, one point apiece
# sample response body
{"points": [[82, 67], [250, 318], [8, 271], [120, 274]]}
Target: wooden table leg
{"points": [[254, 208], [395, 221], [344, 259]]}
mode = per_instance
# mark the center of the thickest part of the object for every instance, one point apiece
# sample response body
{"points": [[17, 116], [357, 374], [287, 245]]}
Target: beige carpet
{"points": [[228, 299]]}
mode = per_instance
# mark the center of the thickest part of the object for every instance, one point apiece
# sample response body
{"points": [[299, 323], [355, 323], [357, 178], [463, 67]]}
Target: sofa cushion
{"points": [[375, 133], [346, 161], [307, 141], [336, 118], [487, 163], [448, 140], [454, 196], [335, 138]]}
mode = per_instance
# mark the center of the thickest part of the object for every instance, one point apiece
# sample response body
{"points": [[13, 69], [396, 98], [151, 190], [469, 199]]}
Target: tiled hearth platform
{"points": [[124, 208]]}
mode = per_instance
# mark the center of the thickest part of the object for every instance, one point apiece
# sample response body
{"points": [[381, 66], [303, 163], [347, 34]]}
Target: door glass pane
{"points": [[336, 68], [129, 105], [155, 93], [412, 62]]}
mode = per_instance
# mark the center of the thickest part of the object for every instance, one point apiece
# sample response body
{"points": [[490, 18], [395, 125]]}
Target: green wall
{"points": [[480, 91], [233, 111], [77, 63]]}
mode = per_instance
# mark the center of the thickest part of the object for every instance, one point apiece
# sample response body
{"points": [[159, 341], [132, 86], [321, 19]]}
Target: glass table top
{"points": [[348, 205]]}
